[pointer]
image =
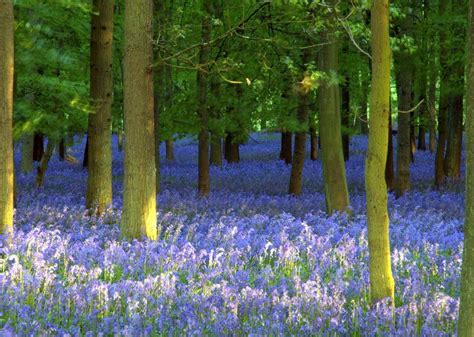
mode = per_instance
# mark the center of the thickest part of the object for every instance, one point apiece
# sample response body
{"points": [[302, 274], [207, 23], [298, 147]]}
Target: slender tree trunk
{"points": [[232, 153], [404, 79], [204, 184], [38, 146], [139, 195], [381, 279], [170, 150], [363, 105], [444, 9], [6, 117], [314, 143], [27, 154], [99, 182], [286, 151], [85, 159], [216, 150], [43, 165], [466, 310], [452, 163], [62, 150], [334, 171], [432, 112], [346, 107], [120, 140], [390, 166], [300, 136]]}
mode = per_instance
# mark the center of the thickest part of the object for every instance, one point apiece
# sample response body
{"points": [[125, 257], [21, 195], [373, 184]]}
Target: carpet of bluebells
{"points": [[249, 260]]}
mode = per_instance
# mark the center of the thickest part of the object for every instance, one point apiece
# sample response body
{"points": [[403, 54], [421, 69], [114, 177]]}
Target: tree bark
{"points": [[381, 279], [27, 154], [38, 146], [139, 195], [62, 150], [314, 143], [6, 117], [232, 153], [99, 182], [43, 165], [216, 150], [286, 151], [300, 136], [346, 107], [466, 310], [170, 150], [335, 183], [204, 183], [390, 166]]}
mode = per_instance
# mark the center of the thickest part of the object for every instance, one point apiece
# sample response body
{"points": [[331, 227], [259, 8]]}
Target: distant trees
{"points": [[99, 183], [6, 117], [466, 310], [139, 196], [381, 279]]}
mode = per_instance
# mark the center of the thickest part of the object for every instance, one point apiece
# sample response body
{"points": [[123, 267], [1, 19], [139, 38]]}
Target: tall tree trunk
{"points": [[85, 159], [444, 9], [334, 171], [6, 117], [404, 79], [314, 143], [381, 279], [216, 150], [300, 136], [432, 111], [62, 150], [139, 195], [390, 166], [38, 146], [232, 153], [99, 182], [466, 310], [204, 184], [170, 150], [43, 165], [27, 154], [346, 107], [286, 151]]}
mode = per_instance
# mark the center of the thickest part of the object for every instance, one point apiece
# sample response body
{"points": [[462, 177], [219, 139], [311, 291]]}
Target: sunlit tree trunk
{"points": [[389, 166], [334, 171], [466, 310], [6, 117], [139, 195], [381, 279], [99, 182], [204, 183]]}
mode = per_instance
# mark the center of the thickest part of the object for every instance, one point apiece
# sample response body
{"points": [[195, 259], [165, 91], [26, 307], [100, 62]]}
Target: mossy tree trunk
{"points": [[381, 279], [6, 117], [335, 183], [204, 180], [99, 182], [466, 310], [139, 195]]}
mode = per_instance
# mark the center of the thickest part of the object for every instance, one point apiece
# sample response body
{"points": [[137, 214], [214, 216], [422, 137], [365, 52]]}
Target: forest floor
{"points": [[249, 260]]}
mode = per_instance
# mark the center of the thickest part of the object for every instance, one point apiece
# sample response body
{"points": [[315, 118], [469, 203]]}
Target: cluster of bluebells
{"points": [[248, 260]]}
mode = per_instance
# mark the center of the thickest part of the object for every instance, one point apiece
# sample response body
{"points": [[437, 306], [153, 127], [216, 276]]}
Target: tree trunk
{"points": [[466, 310], [204, 183], [314, 143], [444, 9], [232, 153], [286, 151], [38, 146], [404, 84], [99, 182], [120, 140], [139, 195], [85, 159], [27, 154], [62, 150], [43, 165], [335, 183], [300, 136], [390, 166], [381, 279], [170, 150], [432, 111], [364, 125], [346, 107], [6, 117], [216, 151]]}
